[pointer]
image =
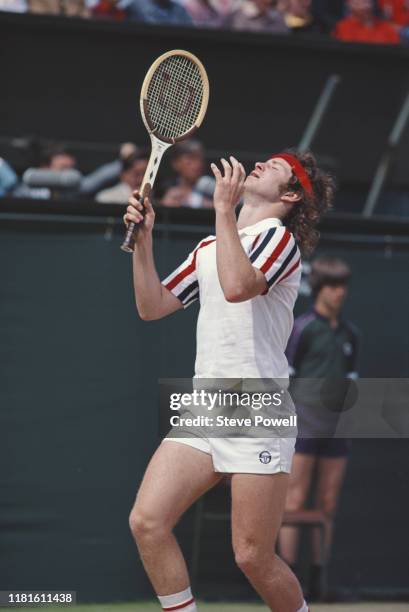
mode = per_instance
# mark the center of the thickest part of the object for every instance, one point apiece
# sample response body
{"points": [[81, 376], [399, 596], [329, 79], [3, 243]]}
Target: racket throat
{"points": [[158, 149]]}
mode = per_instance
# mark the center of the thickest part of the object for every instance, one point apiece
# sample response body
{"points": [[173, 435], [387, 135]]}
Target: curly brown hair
{"points": [[303, 217]]}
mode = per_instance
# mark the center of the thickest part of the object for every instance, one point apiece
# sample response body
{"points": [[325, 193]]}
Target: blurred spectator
{"points": [[14, 6], [225, 7], [133, 170], [299, 18], [192, 187], [70, 8], [8, 178], [59, 159], [54, 157], [109, 174], [108, 9], [167, 12], [362, 25], [222, 7], [258, 16], [61, 179], [396, 11], [203, 13]]}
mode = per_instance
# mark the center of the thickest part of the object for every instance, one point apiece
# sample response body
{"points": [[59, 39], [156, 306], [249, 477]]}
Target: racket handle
{"points": [[128, 245]]}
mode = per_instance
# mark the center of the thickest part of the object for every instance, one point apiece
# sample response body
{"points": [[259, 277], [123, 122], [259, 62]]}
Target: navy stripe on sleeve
{"points": [[283, 266], [192, 288], [263, 244]]}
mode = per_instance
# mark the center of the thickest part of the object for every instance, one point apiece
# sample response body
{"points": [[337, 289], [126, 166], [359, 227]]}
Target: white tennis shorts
{"points": [[245, 455]]}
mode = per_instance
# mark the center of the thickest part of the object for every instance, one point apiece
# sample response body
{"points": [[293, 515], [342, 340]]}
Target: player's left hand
{"points": [[229, 187]]}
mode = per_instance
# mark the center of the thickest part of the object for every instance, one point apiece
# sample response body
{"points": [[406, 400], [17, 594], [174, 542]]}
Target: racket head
{"points": [[174, 96]]}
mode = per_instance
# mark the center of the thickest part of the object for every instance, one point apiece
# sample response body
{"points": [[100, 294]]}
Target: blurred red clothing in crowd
{"points": [[352, 29], [396, 11], [108, 9]]}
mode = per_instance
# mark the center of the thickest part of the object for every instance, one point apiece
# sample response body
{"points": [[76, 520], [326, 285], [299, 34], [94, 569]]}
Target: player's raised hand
{"points": [[229, 184], [140, 213]]}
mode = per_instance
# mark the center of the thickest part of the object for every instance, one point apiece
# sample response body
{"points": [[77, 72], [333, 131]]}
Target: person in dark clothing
{"points": [[323, 349]]}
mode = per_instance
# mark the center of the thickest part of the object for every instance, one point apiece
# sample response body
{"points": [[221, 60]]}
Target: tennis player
{"points": [[247, 278]]}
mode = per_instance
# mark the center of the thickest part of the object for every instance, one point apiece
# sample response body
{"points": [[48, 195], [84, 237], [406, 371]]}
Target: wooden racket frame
{"points": [[160, 144]]}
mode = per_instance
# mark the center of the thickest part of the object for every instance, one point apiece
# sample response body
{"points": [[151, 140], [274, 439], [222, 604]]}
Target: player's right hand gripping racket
{"points": [[173, 101]]}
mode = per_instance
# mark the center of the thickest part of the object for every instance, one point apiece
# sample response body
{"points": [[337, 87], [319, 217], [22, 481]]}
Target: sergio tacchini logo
{"points": [[264, 457]]}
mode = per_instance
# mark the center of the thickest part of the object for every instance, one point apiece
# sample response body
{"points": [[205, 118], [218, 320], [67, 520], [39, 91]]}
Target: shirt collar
{"points": [[322, 318], [261, 226]]}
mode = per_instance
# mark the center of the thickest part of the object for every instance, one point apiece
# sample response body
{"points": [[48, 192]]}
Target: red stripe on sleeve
{"points": [[291, 270], [180, 606], [188, 270], [276, 253]]}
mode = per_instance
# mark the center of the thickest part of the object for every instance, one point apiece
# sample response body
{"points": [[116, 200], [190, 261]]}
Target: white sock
{"points": [[179, 602], [304, 608]]}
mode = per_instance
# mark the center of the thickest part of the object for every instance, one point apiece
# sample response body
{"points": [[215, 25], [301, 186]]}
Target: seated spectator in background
{"points": [[133, 170], [108, 9], [69, 8], [14, 6], [225, 7], [59, 159], [203, 13], [396, 11], [188, 162], [8, 178], [54, 157], [166, 12], [258, 16], [300, 20], [108, 174], [362, 25]]}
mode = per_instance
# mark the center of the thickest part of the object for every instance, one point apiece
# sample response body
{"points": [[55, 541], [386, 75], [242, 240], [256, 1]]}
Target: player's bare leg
{"points": [[177, 475], [331, 472], [299, 485], [257, 507]]}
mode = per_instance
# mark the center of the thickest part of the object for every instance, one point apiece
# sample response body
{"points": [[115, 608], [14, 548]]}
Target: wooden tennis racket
{"points": [[174, 99]]}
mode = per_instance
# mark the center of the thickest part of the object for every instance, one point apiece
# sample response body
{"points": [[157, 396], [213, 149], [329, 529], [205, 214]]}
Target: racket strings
{"points": [[175, 96], [177, 102]]}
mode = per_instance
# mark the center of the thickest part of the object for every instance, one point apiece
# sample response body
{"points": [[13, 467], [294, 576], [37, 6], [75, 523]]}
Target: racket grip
{"points": [[128, 245]]}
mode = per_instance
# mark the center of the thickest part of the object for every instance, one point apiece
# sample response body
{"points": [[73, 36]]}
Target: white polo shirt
{"points": [[246, 339]]}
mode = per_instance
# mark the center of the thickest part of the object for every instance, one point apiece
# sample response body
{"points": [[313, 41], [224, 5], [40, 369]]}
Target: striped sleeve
{"points": [[276, 254], [183, 282]]}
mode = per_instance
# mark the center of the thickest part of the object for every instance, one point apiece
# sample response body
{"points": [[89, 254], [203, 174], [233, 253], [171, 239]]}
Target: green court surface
{"points": [[230, 607]]}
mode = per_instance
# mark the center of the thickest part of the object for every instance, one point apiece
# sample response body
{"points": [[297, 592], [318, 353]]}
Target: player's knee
{"points": [[246, 560], [249, 558], [143, 525]]}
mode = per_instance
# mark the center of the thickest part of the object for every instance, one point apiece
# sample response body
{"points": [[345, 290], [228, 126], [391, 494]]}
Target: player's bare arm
{"points": [[240, 281], [153, 300]]}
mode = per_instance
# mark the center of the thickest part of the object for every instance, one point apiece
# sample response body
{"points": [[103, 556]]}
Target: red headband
{"points": [[298, 170]]}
